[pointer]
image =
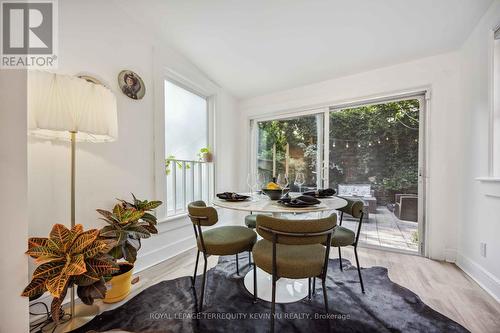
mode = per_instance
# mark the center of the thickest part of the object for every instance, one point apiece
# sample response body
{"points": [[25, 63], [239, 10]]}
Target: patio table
{"points": [[287, 290]]}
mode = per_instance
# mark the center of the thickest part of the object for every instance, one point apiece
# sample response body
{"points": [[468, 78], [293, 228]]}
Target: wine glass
{"points": [[252, 183], [300, 179], [261, 181], [282, 182]]}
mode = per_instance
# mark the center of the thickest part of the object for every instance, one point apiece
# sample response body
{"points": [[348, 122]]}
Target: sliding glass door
{"points": [[371, 152], [374, 156]]}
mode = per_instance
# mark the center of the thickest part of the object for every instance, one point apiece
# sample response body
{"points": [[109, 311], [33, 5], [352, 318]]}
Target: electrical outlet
{"points": [[482, 248]]}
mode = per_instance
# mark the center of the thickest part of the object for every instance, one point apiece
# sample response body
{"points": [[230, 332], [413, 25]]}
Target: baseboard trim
{"points": [[450, 255], [157, 256], [486, 280]]}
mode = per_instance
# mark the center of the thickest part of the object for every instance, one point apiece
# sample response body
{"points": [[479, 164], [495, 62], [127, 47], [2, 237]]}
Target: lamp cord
{"points": [[42, 324]]}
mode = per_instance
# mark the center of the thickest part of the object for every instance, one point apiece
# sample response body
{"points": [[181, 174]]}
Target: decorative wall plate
{"points": [[131, 84]]}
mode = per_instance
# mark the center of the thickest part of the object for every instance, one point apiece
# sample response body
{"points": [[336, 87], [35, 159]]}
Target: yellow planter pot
{"points": [[119, 286]]}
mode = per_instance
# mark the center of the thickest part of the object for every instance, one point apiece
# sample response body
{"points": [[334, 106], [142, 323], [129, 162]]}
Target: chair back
{"points": [[295, 232], [202, 215], [353, 208]]}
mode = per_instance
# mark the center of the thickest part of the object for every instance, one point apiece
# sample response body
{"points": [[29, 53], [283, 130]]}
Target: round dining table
{"points": [[287, 290]]}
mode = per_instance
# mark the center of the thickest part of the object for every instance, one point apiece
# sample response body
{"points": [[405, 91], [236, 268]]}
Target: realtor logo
{"points": [[29, 32]]}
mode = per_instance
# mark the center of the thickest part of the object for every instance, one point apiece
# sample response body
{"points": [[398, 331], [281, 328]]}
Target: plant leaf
{"points": [[129, 253], [88, 293], [37, 241], [87, 278], [151, 228], [41, 251], [48, 269], [57, 284], [150, 205], [35, 287], [99, 246], [60, 235], [76, 266], [138, 231], [83, 240], [150, 218], [103, 265]]}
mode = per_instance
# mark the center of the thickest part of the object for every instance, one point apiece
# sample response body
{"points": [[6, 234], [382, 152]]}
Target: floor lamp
{"points": [[64, 107]]}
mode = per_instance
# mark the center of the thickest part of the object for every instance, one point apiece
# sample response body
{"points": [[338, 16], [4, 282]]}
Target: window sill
{"points": [[488, 179]]}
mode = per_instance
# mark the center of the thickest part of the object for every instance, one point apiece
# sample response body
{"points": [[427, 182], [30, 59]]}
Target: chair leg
{"points": [[249, 259], [323, 282], [203, 282], [314, 286], [309, 288], [237, 265], [273, 304], [196, 267], [254, 283], [359, 269], [340, 260]]}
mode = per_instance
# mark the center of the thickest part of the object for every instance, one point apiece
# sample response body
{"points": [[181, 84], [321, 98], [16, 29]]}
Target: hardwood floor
{"points": [[442, 286]]}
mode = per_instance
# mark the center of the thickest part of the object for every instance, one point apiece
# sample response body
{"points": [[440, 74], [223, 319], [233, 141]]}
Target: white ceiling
{"points": [[255, 47]]}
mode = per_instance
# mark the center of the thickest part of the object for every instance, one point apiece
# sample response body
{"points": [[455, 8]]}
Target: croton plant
{"points": [[129, 222], [70, 257], [88, 259]]}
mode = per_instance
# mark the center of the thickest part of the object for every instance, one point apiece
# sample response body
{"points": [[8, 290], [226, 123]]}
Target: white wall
{"points": [[14, 203], [441, 75], [480, 213], [98, 38]]}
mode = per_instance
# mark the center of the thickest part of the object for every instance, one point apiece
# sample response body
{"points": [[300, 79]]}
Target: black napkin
{"points": [[232, 196], [327, 192], [302, 200]]}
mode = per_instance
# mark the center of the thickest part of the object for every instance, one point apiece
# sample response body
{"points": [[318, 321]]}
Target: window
{"points": [[186, 132], [290, 146]]}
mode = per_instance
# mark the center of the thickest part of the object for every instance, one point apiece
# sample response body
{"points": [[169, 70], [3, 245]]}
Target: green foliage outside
{"points": [[376, 144]]}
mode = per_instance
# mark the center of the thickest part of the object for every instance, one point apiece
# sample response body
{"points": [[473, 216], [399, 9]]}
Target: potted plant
{"points": [[67, 258], [129, 222], [205, 155], [171, 159]]}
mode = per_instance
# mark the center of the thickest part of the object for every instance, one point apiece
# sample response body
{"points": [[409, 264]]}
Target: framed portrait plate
{"points": [[131, 84]]}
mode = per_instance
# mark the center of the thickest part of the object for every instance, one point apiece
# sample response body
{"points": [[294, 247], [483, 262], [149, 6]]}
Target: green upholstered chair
{"points": [[345, 237], [225, 240], [251, 220], [293, 249]]}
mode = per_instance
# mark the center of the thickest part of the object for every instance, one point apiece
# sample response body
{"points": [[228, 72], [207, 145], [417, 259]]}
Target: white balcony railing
{"points": [[187, 181]]}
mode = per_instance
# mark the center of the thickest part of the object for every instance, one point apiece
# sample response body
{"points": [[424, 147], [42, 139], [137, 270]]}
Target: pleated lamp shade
{"points": [[61, 104]]}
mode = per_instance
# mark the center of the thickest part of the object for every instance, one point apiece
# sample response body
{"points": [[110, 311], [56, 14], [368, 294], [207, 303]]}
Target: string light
{"points": [[359, 145], [333, 144], [347, 145]]}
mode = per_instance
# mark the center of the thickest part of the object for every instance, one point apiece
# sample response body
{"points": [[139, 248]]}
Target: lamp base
{"points": [[83, 314]]}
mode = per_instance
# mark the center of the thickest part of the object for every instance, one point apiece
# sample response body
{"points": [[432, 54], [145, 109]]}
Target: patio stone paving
{"points": [[384, 229]]}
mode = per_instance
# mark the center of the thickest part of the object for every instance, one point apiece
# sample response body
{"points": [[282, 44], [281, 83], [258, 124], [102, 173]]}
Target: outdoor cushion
{"points": [[342, 237], [228, 240], [293, 261]]}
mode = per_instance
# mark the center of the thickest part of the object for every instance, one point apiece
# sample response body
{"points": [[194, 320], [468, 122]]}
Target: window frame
{"points": [[202, 88], [494, 131]]}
